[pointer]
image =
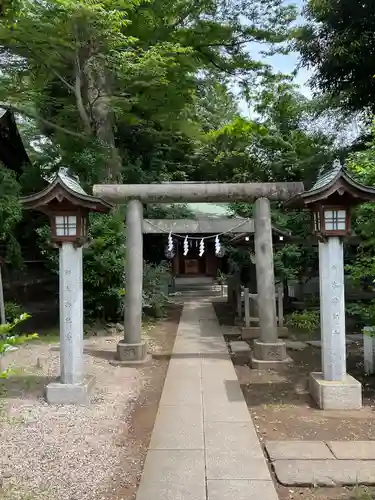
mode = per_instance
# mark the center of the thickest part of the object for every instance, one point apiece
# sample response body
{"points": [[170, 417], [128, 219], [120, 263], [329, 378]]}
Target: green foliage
{"points": [[362, 312], [221, 277], [10, 214], [139, 91], [362, 268], [156, 279], [103, 268], [338, 42], [12, 311], [9, 339], [103, 271], [306, 321]]}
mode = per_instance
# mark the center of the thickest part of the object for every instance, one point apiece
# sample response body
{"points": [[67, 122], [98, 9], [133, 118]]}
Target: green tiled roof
{"points": [[328, 177], [70, 182], [209, 209]]}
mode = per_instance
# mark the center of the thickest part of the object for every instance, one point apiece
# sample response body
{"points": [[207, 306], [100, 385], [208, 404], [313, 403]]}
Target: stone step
{"points": [[241, 351]]}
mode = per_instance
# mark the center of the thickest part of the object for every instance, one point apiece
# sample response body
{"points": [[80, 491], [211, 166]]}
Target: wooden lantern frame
{"points": [[318, 214], [335, 190], [65, 197], [81, 224]]}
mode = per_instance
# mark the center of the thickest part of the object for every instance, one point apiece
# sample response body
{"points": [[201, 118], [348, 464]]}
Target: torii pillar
{"points": [[269, 352]]}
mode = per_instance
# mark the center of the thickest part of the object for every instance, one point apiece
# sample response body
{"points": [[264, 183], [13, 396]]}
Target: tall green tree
{"points": [[338, 43], [86, 69]]}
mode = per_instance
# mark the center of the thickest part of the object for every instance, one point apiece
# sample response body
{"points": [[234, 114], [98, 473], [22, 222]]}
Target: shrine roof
{"points": [[208, 209], [12, 150], [63, 186], [336, 181]]}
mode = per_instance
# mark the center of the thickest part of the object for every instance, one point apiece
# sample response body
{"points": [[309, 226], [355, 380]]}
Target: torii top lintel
{"points": [[190, 192]]}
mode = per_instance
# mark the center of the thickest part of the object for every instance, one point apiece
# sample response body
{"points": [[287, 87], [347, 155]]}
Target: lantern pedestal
{"points": [[73, 387], [344, 394], [333, 389]]}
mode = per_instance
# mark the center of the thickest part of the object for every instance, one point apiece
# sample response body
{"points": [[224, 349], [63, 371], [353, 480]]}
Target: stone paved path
{"points": [[306, 463], [204, 445]]}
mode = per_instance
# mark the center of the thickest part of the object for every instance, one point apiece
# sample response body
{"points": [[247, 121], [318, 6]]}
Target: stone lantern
{"points": [[68, 207], [330, 200]]}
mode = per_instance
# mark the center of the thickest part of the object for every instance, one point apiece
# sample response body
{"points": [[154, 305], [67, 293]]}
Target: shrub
{"points": [[306, 321], [12, 311], [8, 339], [103, 266], [363, 313], [103, 271], [156, 278]]}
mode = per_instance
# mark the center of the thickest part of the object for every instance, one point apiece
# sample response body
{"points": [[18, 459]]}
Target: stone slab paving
{"points": [[239, 346], [318, 343], [325, 472], [295, 450], [302, 463], [204, 445], [295, 345], [241, 490], [353, 450]]}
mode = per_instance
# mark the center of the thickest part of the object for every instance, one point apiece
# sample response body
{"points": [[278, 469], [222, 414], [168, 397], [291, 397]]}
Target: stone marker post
{"points": [[239, 301], [132, 349], [73, 386], [333, 388], [332, 308], [269, 351], [68, 207], [330, 200], [369, 350], [247, 307], [280, 305]]}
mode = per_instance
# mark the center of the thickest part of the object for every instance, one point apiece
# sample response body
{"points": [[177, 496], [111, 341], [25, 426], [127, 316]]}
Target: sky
{"points": [[283, 63]]}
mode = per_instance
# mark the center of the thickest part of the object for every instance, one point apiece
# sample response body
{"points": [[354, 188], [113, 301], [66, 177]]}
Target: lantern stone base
{"points": [[58, 393], [270, 356], [131, 354], [253, 332], [343, 394]]}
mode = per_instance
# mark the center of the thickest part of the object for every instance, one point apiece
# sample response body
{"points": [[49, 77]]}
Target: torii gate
{"points": [[269, 351]]}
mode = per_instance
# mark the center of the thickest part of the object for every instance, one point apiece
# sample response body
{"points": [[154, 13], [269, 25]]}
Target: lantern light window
{"points": [[335, 220], [66, 225]]}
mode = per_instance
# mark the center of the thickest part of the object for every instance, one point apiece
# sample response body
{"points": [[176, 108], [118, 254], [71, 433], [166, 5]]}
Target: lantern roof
{"points": [[64, 187], [337, 181]]}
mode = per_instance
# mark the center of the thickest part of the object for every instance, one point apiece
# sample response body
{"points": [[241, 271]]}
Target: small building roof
{"points": [[204, 210], [12, 150], [213, 225], [337, 181], [64, 187]]}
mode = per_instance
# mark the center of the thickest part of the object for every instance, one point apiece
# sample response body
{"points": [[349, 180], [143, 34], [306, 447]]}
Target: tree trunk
{"points": [[98, 93]]}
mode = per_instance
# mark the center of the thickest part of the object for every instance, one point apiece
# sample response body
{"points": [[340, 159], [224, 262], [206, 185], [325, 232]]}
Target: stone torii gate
{"points": [[269, 351]]}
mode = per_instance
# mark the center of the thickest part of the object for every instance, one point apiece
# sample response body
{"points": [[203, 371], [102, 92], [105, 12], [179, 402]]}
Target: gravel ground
{"points": [[65, 452]]}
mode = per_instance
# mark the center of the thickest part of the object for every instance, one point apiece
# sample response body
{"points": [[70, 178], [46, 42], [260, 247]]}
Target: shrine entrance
{"points": [[268, 350]]}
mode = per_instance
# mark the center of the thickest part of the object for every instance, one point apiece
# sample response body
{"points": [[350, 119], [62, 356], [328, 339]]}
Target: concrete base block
{"points": [[270, 356], [131, 354], [343, 394], [270, 351], [253, 332], [260, 364], [58, 393], [240, 352]]}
